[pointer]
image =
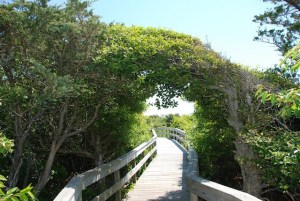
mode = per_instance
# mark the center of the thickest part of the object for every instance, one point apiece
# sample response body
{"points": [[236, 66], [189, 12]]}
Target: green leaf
{"points": [[1, 192], [23, 197], [2, 185], [27, 189], [296, 66], [294, 107], [13, 190], [297, 113], [273, 99], [259, 90], [14, 199], [31, 195], [2, 178], [264, 96]]}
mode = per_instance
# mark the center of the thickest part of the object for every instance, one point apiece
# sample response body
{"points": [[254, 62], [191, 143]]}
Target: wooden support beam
{"points": [[118, 196]]}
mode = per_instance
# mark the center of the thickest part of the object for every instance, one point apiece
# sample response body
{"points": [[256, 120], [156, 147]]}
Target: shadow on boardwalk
{"points": [[172, 195]]}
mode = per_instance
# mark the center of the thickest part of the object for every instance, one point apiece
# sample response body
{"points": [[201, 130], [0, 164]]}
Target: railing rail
{"points": [[198, 186], [73, 190], [174, 133]]}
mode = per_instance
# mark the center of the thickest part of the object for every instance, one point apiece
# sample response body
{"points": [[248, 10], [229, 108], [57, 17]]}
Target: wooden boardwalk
{"points": [[163, 179]]}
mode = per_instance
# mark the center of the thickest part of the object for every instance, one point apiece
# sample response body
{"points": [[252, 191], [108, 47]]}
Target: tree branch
{"points": [[80, 153], [62, 116], [219, 88], [282, 124], [294, 3], [90, 122], [70, 123]]}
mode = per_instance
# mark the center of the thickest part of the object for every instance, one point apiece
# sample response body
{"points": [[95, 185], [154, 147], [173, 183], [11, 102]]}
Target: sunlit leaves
{"points": [[15, 194], [288, 101], [162, 58], [6, 146], [292, 58], [279, 157]]}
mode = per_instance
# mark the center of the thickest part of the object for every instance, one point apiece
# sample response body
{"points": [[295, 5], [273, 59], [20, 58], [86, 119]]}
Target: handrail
{"points": [[73, 190], [198, 186]]}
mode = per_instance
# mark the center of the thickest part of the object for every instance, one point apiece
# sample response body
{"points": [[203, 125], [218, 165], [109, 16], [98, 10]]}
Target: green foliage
{"points": [[280, 25], [183, 122], [15, 194], [278, 149], [213, 141], [288, 100], [156, 121], [59, 64], [160, 59], [140, 131], [292, 58], [279, 157], [6, 145]]}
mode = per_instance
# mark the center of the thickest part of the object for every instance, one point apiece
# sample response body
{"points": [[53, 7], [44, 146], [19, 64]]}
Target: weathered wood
{"points": [[117, 179], [80, 197], [163, 180], [154, 133], [174, 133], [134, 177], [193, 162], [72, 191], [100, 172], [209, 190], [198, 186], [178, 138], [118, 185], [212, 191], [165, 169], [168, 130], [193, 169]]}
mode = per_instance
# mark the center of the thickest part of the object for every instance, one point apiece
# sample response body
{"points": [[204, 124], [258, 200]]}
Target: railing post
{"points": [[152, 147], [80, 197], [193, 197], [116, 179], [145, 164], [134, 177]]}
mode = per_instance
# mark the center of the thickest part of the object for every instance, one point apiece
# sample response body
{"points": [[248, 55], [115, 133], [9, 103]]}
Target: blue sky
{"points": [[225, 24]]}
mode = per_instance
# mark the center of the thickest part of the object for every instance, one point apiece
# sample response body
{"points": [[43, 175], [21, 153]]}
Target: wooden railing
{"points": [[173, 133], [73, 190], [198, 186]]}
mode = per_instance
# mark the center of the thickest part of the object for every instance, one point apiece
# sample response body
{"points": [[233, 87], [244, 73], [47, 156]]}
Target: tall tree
{"points": [[280, 25], [44, 51]]}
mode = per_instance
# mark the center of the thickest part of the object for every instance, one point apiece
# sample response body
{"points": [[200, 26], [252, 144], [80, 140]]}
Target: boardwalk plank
{"points": [[163, 179]]}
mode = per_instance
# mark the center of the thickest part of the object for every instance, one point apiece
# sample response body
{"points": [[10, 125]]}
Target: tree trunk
{"points": [[98, 155], [16, 161], [46, 173], [250, 172], [22, 130], [245, 156], [27, 172], [61, 136]]}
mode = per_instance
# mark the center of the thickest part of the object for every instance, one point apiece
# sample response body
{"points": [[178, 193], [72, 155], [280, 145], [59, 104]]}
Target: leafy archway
{"points": [[171, 64], [62, 69]]}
